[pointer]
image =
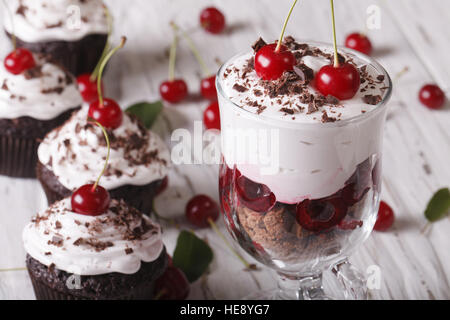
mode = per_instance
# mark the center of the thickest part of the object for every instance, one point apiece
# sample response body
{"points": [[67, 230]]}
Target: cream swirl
{"points": [[116, 241], [45, 20], [75, 153], [43, 92]]}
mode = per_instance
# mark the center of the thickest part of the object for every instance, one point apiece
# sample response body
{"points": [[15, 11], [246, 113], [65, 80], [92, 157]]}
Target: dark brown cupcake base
{"points": [[19, 140], [140, 197], [50, 283], [76, 56]]}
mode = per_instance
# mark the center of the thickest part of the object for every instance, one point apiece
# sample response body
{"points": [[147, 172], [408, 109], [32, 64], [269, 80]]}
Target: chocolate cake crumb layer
{"points": [[19, 140], [139, 197], [76, 56], [49, 283]]}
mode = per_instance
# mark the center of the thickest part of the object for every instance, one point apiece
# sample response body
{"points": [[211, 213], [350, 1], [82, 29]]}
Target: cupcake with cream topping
{"points": [[36, 96], [74, 32], [117, 254]]}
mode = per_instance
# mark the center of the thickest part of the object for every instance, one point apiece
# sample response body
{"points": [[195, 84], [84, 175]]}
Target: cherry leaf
{"points": [[438, 206], [192, 255], [147, 112]]}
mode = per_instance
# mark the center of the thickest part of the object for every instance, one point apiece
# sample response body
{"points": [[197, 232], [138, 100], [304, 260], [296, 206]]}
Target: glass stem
{"points": [[301, 287]]}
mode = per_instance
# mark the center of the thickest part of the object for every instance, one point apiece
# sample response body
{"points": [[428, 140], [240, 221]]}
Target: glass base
{"points": [[343, 282]]}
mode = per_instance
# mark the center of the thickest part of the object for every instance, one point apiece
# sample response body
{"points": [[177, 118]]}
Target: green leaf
{"points": [[147, 112], [192, 255], [439, 205]]}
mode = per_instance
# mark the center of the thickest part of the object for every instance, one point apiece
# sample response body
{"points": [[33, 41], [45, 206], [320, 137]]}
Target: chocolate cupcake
{"points": [[115, 255], [74, 32], [32, 103], [69, 157]]}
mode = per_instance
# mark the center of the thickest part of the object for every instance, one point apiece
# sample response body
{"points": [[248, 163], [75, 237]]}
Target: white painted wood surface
{"points": [[416, 160]]}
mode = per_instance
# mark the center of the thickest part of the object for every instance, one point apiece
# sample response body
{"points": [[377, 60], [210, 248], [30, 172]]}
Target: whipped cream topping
{"points": [[76, 152], [116, 241], [274, 131], [50, 20], [43, 92], [292, 99]]}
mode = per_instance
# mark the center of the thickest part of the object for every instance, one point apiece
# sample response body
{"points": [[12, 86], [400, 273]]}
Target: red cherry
{"points": [[19, 60], [87, 87], [270, 65], [211, 116], [212, 20], [385, 217], [341, 82], [432, 96], [359, 42], [322, 214], [200, 209], [208, 88], [173, 91], [255, 196], [108, 114], [172, 285], [85, 200], [163, 185]]}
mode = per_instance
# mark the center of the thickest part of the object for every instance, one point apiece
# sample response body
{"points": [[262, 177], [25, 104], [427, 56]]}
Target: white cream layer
{"points": [[120, 255], [51, 20]]}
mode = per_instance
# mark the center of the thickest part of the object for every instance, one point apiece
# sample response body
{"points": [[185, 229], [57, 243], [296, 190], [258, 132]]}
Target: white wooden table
{"points": [[413, 34]]}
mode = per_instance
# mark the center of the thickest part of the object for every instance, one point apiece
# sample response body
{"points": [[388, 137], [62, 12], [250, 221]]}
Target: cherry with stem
{"points": [[202, 211], [272, 60], [87, 82], [20, 59], [104, 110], [93, 199], [173, 90], [341, 81], [208, 82]]}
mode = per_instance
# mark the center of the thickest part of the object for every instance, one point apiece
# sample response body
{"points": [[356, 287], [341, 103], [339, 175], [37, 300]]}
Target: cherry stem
{"points": [[11, 18], [94, 73], [107, 155], [336, 59], [173, 57], [159, 217], [220, 234], [102, 67], [280, 40], [12, 269], [193, 49]]}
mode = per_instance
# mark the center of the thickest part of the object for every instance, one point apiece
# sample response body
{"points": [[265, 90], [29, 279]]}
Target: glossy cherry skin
{"points": [[172, 285], [87, 87], [173, 91], [19, 60], [341, 82], [270, 65], [163, 185], [200, 209], [212, 20], [255, 196], [208, 88], [385, 218], [359, 42], [108, 114], [211, 116], [87, 201], [320, 215], [432, 96]]}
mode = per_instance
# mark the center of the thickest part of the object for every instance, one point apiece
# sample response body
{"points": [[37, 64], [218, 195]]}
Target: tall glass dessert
{"points": [[300, 177]]}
